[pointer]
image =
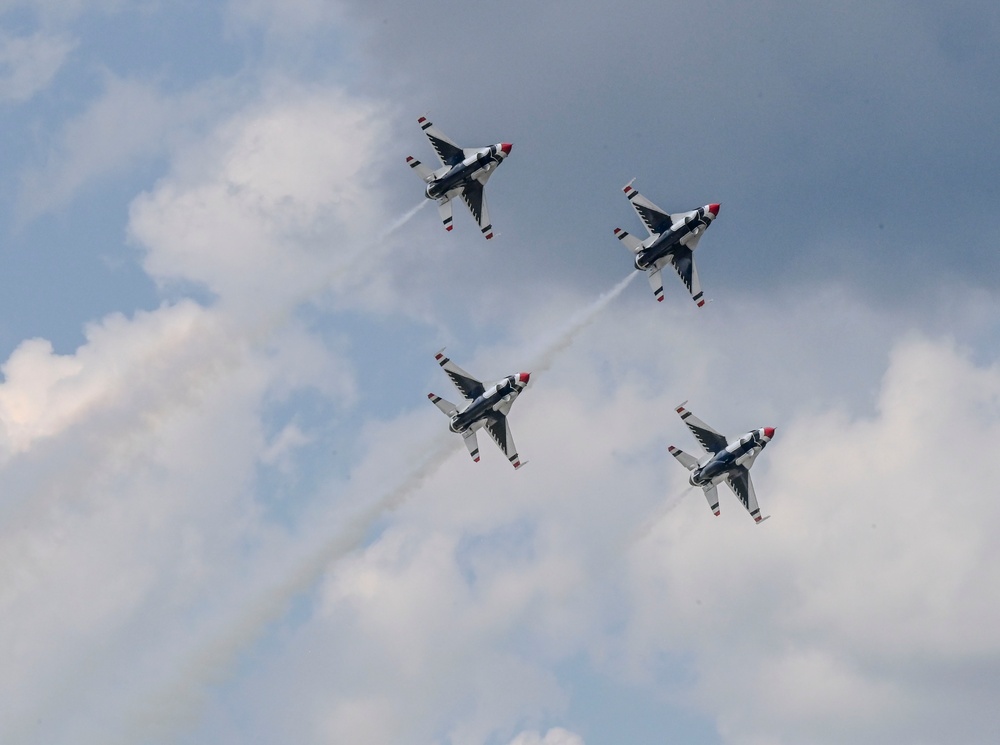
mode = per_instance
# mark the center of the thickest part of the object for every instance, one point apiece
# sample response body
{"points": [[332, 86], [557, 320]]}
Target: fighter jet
{"points": [[724, 462], [672, 239], [463, 173], [487, 408]]}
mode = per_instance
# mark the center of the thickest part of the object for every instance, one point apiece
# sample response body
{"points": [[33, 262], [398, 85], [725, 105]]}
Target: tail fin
{"points": [[630, 241], [423, 171], [447, 407]]}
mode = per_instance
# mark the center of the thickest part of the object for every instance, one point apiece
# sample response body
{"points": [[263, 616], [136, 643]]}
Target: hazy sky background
{"points": [[229, 514]]}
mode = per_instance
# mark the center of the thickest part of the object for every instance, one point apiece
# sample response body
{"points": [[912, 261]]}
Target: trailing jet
{"points": [[724, 462], [463, 173], [672, 239], [487, 408]]}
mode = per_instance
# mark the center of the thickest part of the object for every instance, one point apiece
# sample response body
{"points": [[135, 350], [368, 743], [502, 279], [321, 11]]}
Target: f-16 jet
{"points": [[487, 408], [672, 239], [463, 173], [723, 462]]}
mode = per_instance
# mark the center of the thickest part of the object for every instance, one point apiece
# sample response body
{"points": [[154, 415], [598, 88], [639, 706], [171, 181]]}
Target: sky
{"points": [[229, 514]]}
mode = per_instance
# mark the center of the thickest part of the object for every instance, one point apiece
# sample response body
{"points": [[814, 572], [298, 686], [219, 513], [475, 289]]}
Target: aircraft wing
{"points": [[683, 261], [709, 438], [467, 385], [498, 429], [449, 153], [475, 199], [739, 481], [656, 220]]}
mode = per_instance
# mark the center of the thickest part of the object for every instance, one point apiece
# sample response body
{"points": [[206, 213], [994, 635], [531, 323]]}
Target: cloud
{"points": [[133, 495], [29, 63], [862, 589], [131, 123], [273, 205], [555, 736]]}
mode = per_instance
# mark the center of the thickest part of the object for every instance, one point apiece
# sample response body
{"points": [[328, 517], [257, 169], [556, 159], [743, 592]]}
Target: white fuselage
{"points": [[716, 467]]}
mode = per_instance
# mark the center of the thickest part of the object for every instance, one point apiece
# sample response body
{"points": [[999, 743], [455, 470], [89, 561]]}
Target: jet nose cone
{"points": [[505, 147], [523, 378], [714, 209], [769, 432]]}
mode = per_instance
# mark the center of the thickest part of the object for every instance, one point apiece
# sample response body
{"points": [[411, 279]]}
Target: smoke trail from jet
{"points": [[401, 221], [668, 506], [544, 357], [177, 704]]}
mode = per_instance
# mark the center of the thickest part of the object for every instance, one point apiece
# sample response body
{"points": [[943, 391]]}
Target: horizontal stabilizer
{"points": [[712, 495], [685, 459], [447, 407], [444, 210], [631, 242], [472, 444], [423, 171]]}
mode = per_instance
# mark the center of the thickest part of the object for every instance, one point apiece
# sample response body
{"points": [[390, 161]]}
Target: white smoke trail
{"points": [[178, 703], [643, 531], [549, 349], [400, 222]]}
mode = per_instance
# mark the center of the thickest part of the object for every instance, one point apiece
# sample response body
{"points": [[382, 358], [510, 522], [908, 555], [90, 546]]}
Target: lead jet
{"points": [[463, 173], [672, 239], [723, 462], [487, 408]]}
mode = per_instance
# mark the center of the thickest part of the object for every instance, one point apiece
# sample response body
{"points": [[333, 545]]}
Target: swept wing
{"points": [[449, 153], [475, 200], [712, 440], [499, 430], [683, 261], [739, 481], [467, 385]]}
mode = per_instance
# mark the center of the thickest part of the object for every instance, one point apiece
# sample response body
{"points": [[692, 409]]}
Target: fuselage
{"points": [[500, 395], [718, 466], [483, 160], [659, 246]]}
